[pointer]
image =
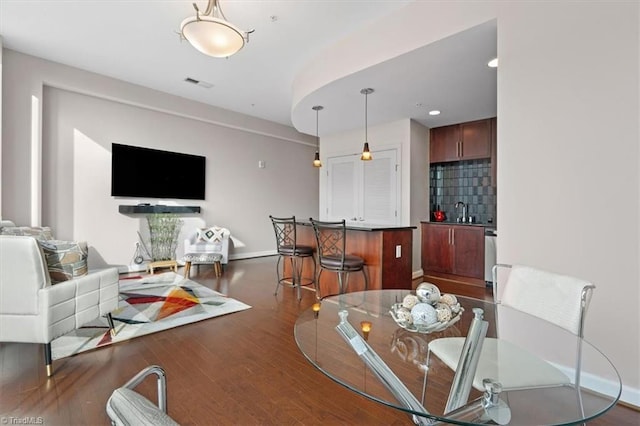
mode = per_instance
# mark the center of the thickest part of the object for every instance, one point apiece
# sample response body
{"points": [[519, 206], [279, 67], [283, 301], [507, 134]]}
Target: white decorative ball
{"points": [[428, 293], [404, 315], [410, 301], [424, 314], [449, 299], [444, 312]]}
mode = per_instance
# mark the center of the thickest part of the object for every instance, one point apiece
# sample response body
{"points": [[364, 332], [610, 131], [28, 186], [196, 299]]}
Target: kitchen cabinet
{"points": [[364, 192], [453, 249], [464, 141]]}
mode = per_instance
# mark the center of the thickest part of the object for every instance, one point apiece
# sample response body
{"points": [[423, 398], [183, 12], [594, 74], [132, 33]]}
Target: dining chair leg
{"points": [[316, 286], [297, 274], [318, 289], [341, 287], [366, 279]]}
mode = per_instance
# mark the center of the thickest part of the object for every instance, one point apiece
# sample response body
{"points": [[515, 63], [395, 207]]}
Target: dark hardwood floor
{"points": [[239, 369]]}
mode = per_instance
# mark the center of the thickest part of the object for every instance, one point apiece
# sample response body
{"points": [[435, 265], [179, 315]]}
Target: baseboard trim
{"points": [[417, 274], [629, 397], [252, 254]]}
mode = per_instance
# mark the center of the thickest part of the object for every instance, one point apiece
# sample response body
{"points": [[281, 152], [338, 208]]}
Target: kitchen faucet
{"points": [[464, 211]]}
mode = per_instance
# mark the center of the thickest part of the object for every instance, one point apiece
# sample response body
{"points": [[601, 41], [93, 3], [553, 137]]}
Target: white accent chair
{"points": [[127, 407], [207, 246], [32, 310], [558, 299]]}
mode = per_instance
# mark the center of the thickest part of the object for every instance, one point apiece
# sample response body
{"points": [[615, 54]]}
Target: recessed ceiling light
{"points": [[493, 63], [434, 112]]}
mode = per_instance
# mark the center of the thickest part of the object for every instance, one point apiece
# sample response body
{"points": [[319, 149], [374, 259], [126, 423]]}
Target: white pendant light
{"points": [[212, 34], [366, 154], [316, 158]]}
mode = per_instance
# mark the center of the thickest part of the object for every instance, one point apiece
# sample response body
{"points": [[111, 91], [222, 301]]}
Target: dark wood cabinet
{"points": [[444, 143], [453, 249], [464, 141]]}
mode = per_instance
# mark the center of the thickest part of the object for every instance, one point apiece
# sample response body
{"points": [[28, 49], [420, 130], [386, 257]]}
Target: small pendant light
{"points": [[316, 159], [366, 154]]}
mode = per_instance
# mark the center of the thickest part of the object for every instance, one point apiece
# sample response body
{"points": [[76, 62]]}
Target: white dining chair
{"points": [[558, 299]]}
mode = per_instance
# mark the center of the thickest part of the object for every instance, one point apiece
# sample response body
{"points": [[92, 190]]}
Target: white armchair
{"points": [[207, 246], [209, 240], [32, 310]]}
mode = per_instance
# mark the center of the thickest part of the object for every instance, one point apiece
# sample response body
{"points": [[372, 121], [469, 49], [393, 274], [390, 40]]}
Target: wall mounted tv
{"points": [[151, 173]]}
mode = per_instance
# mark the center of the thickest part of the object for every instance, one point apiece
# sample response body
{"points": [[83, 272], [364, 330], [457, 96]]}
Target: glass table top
{"points": [[390, 365]]}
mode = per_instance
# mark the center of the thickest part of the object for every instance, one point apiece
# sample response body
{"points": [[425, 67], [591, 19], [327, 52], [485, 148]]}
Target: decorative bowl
{"points": [[431, 328]]}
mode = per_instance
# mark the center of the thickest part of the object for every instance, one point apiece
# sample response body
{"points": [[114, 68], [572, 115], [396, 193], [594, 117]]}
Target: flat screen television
{"points": [[151, 173]]}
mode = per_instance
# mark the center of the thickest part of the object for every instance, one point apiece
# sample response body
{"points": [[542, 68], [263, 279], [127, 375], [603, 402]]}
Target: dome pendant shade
{"points": [[211, 33], [212, 36]]}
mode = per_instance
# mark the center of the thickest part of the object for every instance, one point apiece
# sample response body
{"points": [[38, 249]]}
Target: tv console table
{"points": [[157, 208]]}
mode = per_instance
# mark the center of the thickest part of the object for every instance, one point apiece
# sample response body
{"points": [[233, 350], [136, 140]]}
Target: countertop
{"points": [[367, 227]]}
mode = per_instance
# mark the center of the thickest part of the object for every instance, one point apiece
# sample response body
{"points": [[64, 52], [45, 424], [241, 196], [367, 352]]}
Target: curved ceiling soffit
{"points": [[414, 26]]}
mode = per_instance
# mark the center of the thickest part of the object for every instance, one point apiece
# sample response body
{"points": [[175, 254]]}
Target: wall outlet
{"points": [[261, 164], [398, 251]]}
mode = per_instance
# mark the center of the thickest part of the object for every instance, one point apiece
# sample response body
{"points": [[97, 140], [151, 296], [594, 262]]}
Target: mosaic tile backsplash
{"points": [[466, 181]]}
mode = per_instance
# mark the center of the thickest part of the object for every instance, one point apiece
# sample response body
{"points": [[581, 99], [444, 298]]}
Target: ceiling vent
{"points": [[198, 83]]}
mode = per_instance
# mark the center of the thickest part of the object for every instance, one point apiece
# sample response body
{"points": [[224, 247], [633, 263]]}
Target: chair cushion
{"points": [[65, 259], [128, 407], [202, 257], [287, 250], [351, 262]]}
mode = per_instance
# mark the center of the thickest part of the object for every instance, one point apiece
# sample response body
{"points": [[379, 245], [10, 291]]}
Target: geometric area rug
{"points": [[148, 305]]}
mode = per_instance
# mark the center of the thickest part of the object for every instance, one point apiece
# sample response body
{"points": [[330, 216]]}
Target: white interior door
{"points": [[379, 194], [363, 192], [342, 193]]}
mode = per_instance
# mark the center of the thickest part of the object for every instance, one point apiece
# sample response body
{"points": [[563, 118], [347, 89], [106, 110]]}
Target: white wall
{"points": [[568, 157], [83, 113], [1, 49], [419, 188]]}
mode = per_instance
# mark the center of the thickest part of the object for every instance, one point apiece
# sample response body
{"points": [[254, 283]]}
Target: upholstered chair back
{"points": [[558, 299], [22, 273]]}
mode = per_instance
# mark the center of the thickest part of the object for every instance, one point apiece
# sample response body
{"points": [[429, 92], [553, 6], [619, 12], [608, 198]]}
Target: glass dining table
{"points": [[355, 340]]}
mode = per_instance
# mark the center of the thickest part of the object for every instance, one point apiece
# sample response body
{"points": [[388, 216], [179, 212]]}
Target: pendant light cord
{"points": [[366, 109]]}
